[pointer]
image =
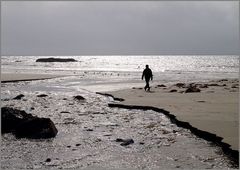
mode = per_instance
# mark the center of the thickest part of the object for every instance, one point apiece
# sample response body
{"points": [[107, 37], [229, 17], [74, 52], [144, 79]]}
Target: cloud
{"points": [[120, 28]]}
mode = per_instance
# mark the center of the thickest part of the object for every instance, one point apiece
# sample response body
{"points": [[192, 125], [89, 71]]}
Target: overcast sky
{"points": [[120, 28]]}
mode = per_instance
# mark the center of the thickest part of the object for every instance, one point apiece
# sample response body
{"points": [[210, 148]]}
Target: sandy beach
{"points": [[93, 127], [214, 109]]}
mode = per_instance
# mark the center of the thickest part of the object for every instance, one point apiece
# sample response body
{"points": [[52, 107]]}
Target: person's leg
{"points": [[145, 88], [147, 84]]}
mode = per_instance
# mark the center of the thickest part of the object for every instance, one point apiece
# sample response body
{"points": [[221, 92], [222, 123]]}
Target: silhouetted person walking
{"points": [[147, 73]]}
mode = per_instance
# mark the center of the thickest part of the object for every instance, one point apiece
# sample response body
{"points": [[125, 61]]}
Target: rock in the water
{"points": [[42, 95], [192, 89], [23, 124], [79, 98], [18, 97], [56, 60]]}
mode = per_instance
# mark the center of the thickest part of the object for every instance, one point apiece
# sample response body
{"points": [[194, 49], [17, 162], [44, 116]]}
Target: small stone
{"points": [[127, 142], [173, 90], [119, 140], [78, 144], [18, 97], [89, 129], [141, 143], [79, 97], [69, 146], [98, 140], [48, 160]]}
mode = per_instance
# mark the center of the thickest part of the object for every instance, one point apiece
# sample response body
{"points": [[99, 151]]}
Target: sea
{"points": [[165, 68]]}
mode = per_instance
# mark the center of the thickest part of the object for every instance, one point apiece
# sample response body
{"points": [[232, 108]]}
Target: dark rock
{"points": [[119, 140], [223, 80], [192, 89], [89, 129], [48, 160], [36, 128], [78, 144], [18, 97], [203, 86], [141, 143], [235, 86], [64, 112], [161, 85], [42, 95], [180, 85], [173, 90], [11, 118], [56, 60], [125, 142], [79, 98], [213, 84], [69, 146], [23, 124]]}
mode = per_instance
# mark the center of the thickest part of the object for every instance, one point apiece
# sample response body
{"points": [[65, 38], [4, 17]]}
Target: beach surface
{"points": [[215, 109], [14, 77], [89, 131]]}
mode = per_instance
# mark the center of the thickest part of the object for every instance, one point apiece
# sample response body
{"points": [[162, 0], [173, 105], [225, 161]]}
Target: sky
{"points": [[120, 28]]}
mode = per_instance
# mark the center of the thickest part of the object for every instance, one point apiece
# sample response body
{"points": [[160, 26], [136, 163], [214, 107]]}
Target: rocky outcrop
{"points": [[26, 125], [192, 89], [56, 60]]}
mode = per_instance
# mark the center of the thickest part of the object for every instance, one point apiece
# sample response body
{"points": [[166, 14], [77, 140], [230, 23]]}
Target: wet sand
{"points": [[14, 77], [214, 109]]}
